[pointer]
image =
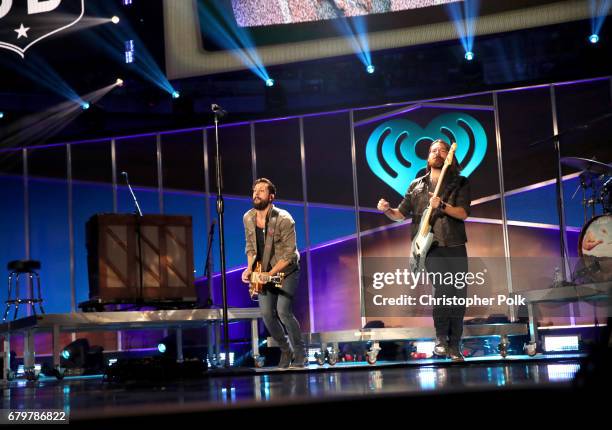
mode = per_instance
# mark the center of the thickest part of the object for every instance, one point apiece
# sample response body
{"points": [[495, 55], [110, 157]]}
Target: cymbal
{"points": [[590, 166]]}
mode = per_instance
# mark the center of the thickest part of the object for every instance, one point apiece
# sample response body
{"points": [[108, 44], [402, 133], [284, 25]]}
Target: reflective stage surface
{"points": [[90, 398]]}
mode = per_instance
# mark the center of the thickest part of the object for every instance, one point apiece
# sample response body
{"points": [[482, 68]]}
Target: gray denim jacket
{"points": [[284, 247]]}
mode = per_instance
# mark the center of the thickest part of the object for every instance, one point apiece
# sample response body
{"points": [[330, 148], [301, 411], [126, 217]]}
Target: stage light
{"points": [[167, 347], [129, 51], [119, 82], [176, 94], [74, 355], [79, 355], [115, 20], [593, 38], [231, 357], [269, 82], [464, 16], [85, 106], [370, 69], [561, 343], [1, 115]]}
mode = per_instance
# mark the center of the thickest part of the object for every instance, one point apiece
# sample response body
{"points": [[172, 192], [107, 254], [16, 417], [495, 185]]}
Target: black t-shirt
{"points": [[455, 190], [261, 242], [261, 239]]}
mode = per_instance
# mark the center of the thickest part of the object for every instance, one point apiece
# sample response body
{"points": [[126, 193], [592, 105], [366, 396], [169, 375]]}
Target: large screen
{"points": [[210, 36], [253, 13]]}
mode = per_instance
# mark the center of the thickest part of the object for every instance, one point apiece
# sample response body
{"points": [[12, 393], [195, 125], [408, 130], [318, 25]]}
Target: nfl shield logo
{"points": [[24, 23]]}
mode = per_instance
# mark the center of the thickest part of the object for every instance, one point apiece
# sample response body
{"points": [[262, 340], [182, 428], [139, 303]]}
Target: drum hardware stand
{"points": [[564, 275], [555, 138], [586, 182]]}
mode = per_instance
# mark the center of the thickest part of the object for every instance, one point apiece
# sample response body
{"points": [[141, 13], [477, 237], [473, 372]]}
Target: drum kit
{"points": [[595, 242]]}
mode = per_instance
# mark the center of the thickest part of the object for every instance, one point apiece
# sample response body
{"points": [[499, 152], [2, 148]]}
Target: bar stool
{"points": [[16, 269]]}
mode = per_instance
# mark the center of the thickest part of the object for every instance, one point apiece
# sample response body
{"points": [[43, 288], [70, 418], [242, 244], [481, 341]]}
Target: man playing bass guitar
{"points": [[447, 253]]}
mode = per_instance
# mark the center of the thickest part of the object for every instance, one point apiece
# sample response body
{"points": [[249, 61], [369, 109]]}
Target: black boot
{"points": [[441, 348], [285, 358], [454, 353]]}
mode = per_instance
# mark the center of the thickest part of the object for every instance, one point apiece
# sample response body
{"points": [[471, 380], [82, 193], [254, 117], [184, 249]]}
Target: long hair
{"points": [[454, 169]]}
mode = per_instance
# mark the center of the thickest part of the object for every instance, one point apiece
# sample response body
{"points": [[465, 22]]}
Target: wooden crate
{"points": [[167, 255]]}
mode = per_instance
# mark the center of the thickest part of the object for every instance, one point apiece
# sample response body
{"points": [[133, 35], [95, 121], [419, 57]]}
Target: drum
{"points": [[595, 249]]}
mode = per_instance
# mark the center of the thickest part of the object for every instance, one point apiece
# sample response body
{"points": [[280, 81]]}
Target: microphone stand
{"points": [[138, 219], [218, 112]]}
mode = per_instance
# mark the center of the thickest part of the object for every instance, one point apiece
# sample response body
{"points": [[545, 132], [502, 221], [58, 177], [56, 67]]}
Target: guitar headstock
{"points": [[451, 154]]}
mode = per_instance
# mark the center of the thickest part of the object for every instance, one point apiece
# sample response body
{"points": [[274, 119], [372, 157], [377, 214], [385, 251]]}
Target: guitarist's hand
{"points": [[246, 276], [434, 201], [383, 205]]}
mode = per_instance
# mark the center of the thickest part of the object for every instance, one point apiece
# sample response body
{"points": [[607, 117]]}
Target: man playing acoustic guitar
{"points": [[447, 253], [270, 241]]}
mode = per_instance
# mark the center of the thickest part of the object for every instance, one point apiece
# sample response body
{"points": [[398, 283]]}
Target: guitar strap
{"points": [[271, 226], [450, 186]]}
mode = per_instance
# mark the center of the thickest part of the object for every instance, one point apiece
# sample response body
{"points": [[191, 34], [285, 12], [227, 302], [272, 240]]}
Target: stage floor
{"points": [[89, 398]]}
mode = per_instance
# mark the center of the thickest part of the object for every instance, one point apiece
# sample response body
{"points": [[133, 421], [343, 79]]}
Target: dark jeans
{"points": [[276, 305], [448, 320]]}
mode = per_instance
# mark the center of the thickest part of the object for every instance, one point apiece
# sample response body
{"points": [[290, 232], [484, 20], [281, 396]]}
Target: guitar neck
{"points": [[428, 212], [440, 179]]}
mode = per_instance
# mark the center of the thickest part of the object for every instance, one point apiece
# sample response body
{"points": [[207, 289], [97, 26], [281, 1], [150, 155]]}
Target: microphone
{"points": [[127, 181], [218, 110]]}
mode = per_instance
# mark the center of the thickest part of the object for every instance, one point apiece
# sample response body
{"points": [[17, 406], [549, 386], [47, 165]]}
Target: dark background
{"points": [[88, 60]]}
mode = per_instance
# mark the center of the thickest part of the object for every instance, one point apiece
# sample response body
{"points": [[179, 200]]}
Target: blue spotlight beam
{"points": [[464, 19], [112, 39], [41, 126], [39, 71], [236, 39], [355, 31], [599, 11]]}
